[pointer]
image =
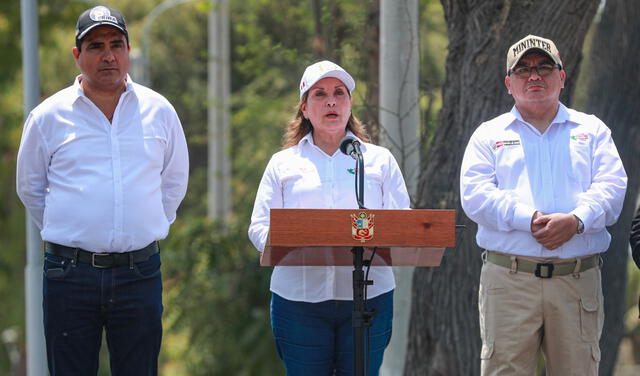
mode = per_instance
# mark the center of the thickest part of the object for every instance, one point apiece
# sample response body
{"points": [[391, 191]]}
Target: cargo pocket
{"points": [[487, 327], [595, 352], [487, 350], [589, 320]]}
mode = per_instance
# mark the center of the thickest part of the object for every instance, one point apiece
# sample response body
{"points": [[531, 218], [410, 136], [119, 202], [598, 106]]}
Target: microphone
{"points": [[351, 146]]}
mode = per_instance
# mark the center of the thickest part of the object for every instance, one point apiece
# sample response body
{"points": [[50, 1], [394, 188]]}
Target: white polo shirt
{"points": [[510, 170], [303, 176]]}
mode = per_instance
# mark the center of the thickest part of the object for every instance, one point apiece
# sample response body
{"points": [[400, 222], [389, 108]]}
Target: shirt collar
{"points": [[79, 93], [308, 139], [561, 116]]}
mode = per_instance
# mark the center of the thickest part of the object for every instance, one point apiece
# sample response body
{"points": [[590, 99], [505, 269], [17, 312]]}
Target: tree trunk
{"points": [[444, 337], [613, 97]]}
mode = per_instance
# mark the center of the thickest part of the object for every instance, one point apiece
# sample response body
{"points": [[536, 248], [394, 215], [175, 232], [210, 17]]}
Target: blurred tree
{"points": [[216, 293], [612, 96], [371, 62], [12, 214], [215, 288], [632, 324], [433, 50], [444, 334], [216, 306]]}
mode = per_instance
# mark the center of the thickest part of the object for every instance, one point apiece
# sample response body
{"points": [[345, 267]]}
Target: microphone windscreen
{"points": [[346, 145]]}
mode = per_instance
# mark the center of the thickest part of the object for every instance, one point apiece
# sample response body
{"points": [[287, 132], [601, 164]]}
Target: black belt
{"points": [[103, 260]]}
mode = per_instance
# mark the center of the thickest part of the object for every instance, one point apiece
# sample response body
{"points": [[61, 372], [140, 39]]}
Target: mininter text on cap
{"points": [[532, 43], [99, 16], [322, 69]]}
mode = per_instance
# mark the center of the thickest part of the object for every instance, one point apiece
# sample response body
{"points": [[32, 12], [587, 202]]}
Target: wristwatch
{"points": [[580, 228]]}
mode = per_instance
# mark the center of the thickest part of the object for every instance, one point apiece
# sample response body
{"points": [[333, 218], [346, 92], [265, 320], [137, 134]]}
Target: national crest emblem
{"points": [[362, 226]]}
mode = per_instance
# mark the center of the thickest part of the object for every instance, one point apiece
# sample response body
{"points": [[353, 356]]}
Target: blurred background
{"points": [[216, 295]]}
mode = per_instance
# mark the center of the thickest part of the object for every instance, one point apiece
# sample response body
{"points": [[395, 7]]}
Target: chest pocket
{"points": [[509, 164], [580, 159], [373, 188], [299, 185]]}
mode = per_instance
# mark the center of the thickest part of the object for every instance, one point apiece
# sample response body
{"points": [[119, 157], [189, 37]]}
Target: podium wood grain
{"points": [[322, 237]]}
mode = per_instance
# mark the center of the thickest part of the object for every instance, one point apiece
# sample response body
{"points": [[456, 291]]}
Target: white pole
{"points": [[36, 354], [399, 125], [219, 89]]}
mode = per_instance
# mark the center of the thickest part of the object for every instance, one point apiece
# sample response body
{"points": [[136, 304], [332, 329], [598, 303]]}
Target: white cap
{"points": [[532, 43], [322, 69]]}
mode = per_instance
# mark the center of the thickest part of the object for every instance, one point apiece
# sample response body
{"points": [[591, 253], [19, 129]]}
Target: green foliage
{"points": [[433, 54], [178, 69], [269, 35], [9, 47], [218, 294], [56, 29]]}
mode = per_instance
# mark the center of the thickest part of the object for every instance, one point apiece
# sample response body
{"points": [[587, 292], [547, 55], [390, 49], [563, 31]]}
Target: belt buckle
{"points": [[549, 270], [101, 255]]}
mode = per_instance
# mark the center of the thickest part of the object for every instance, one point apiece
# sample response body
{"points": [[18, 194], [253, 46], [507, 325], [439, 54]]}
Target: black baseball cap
{"points": [[99, 16]]}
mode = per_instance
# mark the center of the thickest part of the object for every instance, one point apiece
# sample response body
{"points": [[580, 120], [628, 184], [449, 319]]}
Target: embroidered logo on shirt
{"points": [[582, 137], [306, 169], [351, 171], [500, 144]]}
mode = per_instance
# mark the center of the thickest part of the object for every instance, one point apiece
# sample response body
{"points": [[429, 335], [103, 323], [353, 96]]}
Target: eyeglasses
{"points": [[543, 70]]}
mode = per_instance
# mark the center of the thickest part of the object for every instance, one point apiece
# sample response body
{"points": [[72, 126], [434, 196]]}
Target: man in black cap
{"points": [[102, 168], [542, 182]]}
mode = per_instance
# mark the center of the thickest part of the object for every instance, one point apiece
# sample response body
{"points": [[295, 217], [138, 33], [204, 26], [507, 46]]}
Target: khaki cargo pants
{"points": [[521, 314]]}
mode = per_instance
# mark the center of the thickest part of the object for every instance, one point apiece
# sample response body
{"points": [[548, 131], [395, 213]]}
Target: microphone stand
{"points": [[360, 180], [361, 317]]}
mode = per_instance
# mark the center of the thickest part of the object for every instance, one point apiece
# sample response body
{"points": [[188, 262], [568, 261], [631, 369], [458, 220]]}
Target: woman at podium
{"points": [[311, 306]]}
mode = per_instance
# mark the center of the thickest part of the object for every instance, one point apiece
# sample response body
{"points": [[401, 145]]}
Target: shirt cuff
{"points": [[584, 213], [522, 217]]}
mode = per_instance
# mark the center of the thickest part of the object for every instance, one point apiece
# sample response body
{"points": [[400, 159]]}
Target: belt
{"points": [[103, 260], [542, 270]]}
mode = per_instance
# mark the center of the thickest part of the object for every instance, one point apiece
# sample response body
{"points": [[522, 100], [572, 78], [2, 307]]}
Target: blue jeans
{"points": [[317, 338], [80, 301]]}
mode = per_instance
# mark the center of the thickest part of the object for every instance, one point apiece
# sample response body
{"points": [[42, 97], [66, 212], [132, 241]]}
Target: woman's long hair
{"points": [[299, 126]]}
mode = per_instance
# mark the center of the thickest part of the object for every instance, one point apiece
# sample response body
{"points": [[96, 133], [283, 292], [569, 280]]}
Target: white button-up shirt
{"points": [[510, 170], [303, 176], [101, 186]]}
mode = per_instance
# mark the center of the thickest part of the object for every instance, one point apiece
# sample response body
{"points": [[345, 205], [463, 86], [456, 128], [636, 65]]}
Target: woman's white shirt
{"points": [[303, 176]]}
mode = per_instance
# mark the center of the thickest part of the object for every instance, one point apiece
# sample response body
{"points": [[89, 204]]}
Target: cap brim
{"points": [[530, 51]]}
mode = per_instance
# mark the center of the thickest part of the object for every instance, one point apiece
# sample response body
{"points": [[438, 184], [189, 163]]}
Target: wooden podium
{"points": [[323, 237], [358, 238]]}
